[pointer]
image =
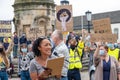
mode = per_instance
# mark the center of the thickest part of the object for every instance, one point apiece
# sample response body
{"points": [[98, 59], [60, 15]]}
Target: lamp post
{"points": [[89, 18]]}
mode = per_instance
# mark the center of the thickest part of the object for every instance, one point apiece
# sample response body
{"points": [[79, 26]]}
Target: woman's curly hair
{"points": [[36, 44]]}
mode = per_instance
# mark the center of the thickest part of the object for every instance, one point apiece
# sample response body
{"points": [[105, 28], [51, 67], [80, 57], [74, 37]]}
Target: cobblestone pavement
{"points": [[84, 76]]}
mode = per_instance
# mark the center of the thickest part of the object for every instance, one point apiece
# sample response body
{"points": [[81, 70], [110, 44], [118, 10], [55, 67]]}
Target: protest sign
{"points": [[102, 26], [64, 20], [33, 33], [103, 37]]}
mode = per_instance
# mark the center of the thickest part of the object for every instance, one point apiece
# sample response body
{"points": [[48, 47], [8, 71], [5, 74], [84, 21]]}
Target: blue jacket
{"points": [[15, 40], [23, 39]]}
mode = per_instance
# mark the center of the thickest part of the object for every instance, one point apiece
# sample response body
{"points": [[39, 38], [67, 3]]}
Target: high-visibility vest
{"points": [[75, 56], [81, 44], [114, 53]]}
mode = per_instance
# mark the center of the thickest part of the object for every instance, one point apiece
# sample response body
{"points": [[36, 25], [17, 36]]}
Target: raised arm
{"points": [[83, 35], [6, 61], [96, 54]]}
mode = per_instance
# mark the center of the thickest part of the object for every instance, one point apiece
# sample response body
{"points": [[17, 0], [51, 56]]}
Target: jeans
{"points": [[74, 74], [25, 75], [15, 50], [64, 78], [3, 75]]}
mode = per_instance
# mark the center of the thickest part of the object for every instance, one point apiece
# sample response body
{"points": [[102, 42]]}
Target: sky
{"points": [[79, 7]]}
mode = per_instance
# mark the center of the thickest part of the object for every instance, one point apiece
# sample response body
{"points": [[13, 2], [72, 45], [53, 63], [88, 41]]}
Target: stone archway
{"points": [[41, 22]]}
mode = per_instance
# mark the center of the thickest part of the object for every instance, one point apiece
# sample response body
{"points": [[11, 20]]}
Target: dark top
{"points": [[106, 70], [15, 40], [6, 45], [23, 39]]}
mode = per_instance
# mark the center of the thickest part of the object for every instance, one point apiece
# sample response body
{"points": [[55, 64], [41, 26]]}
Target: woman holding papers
{"points": [[42, 51]]}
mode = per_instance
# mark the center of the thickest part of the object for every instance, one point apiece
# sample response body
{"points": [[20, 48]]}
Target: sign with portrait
{"points": [[103, 37], [5, 28], [102, 26], [64, 20]]}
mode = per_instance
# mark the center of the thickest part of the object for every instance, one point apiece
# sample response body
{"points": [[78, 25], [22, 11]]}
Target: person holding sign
{"points": [[42, 51], [107, 67]]}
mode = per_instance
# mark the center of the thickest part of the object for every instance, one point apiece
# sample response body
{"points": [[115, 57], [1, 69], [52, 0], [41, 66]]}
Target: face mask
{"points": [[72, 47], [23, 34], [111, 46], [102, 52], [1, 49], [24, 50]]}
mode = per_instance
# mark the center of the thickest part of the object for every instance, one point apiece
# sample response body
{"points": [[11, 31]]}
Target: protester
{"points": [[6, 42], [60, 50], [115, 52], [107, 67], [15, 47], [24, 63], [42, 51], [75, 53], [74, 61], [4, 62], [23, 39]]}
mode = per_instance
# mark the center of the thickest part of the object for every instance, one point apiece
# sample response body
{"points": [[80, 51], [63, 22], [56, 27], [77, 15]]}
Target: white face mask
{"points": [[24, 50], [102, 52], [111, 46]]}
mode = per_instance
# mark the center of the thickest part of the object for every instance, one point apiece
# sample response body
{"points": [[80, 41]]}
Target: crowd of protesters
{"points": [[33, 55]]}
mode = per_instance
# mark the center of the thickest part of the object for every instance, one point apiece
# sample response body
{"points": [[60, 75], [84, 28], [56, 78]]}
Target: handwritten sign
{"points": [[33, 33], [103, 37], [102, 25]]}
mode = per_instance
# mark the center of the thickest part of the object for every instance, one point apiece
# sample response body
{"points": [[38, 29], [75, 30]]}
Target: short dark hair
{"points": [[36, 44], [15, 32], [106, 48]]}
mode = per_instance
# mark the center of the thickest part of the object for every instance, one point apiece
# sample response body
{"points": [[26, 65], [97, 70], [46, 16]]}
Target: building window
{"points": [[116, 31]]}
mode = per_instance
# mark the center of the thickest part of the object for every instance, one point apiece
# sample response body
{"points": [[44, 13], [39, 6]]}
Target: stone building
{"points": [[113, 15], [34, 17]]}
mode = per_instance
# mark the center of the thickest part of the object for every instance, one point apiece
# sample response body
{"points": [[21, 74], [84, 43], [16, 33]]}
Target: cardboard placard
{"points": [[64, 16], [102, 26], [33, 33], [56, 65], [103, 37]]}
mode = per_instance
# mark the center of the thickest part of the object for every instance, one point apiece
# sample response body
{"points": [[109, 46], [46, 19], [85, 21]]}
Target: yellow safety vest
{"points": [[114, 53], [75, 56], [81, 44]]}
